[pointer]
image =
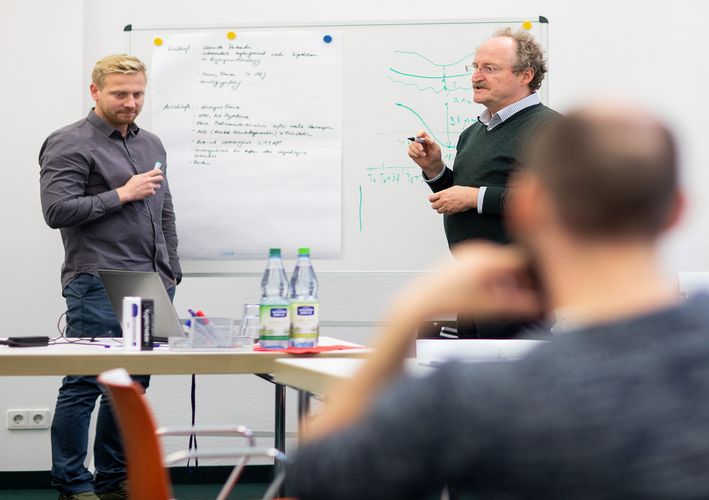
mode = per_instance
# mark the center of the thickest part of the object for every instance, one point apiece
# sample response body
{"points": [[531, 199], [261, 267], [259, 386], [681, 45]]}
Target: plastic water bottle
{"points": [[274, 314], [304, 305]]}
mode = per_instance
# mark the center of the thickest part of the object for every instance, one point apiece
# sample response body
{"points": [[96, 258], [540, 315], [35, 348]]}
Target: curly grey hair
{"points": [[529, 55]]}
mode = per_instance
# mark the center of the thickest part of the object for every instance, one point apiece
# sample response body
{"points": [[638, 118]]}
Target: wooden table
{"points": [[318, 375], [80, 359], [314, 375], [63, 359]]}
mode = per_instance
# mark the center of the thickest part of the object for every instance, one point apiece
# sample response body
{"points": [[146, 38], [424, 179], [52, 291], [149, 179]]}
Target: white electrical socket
{"points": [[17, 419], [28, 419], [38, 419]]}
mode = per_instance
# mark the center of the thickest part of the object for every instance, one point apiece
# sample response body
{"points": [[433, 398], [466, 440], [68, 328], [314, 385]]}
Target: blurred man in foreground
{"points": [[614, 407]]}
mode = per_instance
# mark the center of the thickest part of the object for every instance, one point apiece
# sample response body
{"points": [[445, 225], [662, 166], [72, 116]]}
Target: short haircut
{"points": [[610, 174], [116, 63], [529, 55]]}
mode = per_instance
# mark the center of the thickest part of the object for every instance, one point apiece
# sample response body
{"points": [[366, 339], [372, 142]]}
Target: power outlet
{"points": [[17, 419], [38, 419], [28, 419]]}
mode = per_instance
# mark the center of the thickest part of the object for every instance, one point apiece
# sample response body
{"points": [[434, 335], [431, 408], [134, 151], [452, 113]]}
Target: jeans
{"points": [[89, 314]]}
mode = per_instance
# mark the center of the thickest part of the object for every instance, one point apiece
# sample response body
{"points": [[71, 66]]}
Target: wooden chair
{"points": [[148, 477]]}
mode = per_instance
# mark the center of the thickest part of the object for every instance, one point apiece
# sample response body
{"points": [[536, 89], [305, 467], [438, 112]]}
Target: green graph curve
{"points": [[445, 144], [434, 77], [417, 54], [432, 89]]}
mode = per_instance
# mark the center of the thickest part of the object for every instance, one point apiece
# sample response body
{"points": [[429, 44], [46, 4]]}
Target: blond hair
{"points": [[117, 63], [529, 55]]}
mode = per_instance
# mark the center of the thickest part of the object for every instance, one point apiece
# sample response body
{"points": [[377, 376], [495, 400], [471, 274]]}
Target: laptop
{"points": [[119, 284]]}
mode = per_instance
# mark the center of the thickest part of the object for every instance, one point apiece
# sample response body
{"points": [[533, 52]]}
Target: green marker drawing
{"points": [[432, 89], [427, 77], [360, 209], [418, 54], [445, 144], [426, 83]]}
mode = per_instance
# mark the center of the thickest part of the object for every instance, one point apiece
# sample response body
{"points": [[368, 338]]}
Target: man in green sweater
{"points": [[507, 71]]}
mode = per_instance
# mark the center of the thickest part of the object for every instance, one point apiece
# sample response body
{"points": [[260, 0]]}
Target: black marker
{"points": [[420, 140]]}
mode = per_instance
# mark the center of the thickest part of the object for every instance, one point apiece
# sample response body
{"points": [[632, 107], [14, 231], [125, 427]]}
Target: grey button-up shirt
{"points": [[82, 165]]}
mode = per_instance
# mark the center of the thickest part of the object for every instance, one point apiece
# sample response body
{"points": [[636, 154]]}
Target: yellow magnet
{"points": [[527, 25], [157, 41], [231, 35]]}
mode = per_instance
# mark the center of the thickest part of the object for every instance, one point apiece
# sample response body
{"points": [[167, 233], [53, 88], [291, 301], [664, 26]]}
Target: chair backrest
{"points": [[148, 479]]}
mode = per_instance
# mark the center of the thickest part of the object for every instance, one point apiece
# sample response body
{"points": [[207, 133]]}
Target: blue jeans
{"points": [[89, 314]]}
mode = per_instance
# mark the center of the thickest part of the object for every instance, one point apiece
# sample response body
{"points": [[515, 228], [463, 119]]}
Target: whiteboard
{"points": [[397, 79]]}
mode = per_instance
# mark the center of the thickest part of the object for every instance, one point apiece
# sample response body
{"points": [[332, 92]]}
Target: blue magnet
{"points": [[327, 39]]}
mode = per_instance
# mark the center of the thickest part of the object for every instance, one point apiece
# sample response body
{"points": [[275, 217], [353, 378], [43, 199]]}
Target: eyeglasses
{"points": [[485, 69]]}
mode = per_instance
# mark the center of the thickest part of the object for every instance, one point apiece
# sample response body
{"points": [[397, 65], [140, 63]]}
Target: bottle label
{"points": [[275, 322], [305, 319]]}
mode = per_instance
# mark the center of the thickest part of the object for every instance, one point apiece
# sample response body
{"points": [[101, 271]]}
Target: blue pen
{"points": [[158, 165], [188, 323]]}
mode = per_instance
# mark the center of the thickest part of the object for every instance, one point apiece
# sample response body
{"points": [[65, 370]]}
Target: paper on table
{"points": [[436, 351]]}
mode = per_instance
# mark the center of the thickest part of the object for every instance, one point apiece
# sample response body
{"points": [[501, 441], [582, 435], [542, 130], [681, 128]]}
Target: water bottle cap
{"points": [[304, 251], [274, 252]]}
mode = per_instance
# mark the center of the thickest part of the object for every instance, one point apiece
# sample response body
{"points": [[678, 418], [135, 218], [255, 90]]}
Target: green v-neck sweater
{"points": [[487, 158]]}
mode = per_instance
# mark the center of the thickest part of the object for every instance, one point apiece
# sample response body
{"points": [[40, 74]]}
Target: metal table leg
{"points": [[280, 417], [303, 409], [280, 432], [279, 441]]}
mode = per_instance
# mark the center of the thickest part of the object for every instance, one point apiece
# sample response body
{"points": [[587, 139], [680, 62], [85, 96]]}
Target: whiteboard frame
{"points": [[494, 20], [542, 20]]}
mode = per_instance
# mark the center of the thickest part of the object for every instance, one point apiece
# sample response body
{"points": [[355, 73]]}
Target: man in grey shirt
{"points": [[613, 407], [103, 184]]}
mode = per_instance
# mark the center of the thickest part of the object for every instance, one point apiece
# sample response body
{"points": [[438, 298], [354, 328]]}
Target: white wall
{"points": [[651, 51], [42, 52]]}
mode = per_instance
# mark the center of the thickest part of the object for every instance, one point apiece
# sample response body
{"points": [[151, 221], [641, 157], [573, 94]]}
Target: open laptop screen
{"points": [[148, 285]]}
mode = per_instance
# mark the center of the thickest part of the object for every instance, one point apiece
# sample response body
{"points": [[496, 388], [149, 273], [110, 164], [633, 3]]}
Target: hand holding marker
{"points": [[420, 140], [158, 166]]}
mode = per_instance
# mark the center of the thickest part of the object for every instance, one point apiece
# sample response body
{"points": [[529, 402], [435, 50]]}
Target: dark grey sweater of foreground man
{"points": [[619, 410]]}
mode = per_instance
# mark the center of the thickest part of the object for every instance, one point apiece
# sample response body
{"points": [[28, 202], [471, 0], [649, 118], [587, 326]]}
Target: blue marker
{"points": [[188, 323]]}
